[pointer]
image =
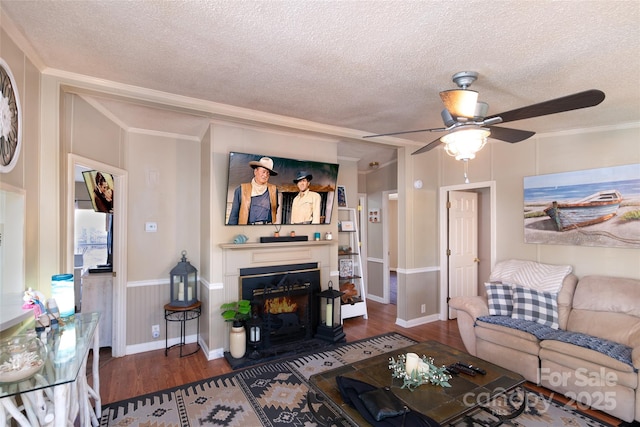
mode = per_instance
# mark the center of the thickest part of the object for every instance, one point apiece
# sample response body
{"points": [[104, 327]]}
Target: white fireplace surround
{"points": [[251, 255]]}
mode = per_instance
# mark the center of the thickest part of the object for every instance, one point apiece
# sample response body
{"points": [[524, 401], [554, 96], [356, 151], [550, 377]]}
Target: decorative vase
{"points": [[237, 341]]}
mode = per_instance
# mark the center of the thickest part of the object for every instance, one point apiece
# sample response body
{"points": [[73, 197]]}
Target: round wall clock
{"points": [[10, 119]]}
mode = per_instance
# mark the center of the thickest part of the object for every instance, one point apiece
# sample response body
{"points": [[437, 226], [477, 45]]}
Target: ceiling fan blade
{"points": [[406, 131], [430, 146], [509, 134], [588, 98], [460, 102]]}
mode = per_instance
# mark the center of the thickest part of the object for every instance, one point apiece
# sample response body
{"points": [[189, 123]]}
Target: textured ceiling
{"points": [[371, 66]]}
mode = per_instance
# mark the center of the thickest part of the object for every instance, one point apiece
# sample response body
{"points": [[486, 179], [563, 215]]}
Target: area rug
{"points": [[541, 411], [275, 394]]}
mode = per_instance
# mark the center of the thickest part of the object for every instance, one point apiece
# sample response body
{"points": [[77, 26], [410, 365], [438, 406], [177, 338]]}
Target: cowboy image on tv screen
{"points": [[266, 190]]}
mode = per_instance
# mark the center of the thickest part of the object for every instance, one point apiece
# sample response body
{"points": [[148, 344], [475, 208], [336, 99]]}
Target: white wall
{"points": [[508, 164], [24, 181]]}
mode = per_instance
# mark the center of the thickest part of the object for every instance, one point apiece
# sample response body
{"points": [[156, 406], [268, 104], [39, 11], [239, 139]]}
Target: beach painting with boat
{"points": [[594, 207]]}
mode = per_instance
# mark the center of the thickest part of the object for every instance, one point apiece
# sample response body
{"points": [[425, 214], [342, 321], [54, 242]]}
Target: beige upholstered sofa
{"points": [[591, 353]]}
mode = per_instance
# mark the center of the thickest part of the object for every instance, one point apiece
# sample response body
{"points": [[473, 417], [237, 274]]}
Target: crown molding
{"points": [[18, 38], [78, 83], [595, 129]]}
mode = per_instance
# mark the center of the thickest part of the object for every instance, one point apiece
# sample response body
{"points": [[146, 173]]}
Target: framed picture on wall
{"points": [[342, 196], [374, 215], [593, 207]]}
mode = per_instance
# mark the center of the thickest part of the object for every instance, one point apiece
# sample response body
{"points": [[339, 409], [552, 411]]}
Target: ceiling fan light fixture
{"points": [[460, 102], [481, 110], [463, 144]]}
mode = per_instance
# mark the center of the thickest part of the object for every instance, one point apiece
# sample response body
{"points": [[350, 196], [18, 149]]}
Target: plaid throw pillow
{"points": [[540, 307], [500, 298]]}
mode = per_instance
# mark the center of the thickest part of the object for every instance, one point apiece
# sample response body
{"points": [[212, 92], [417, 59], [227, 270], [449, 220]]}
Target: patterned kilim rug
{"points": [[275, 394]]}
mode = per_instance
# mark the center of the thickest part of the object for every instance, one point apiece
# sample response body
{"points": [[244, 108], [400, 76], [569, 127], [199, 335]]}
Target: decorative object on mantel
{"points": [[239, 239], [184, 283], [414, 371], [277, 232], [237, 312], [330, 327]]}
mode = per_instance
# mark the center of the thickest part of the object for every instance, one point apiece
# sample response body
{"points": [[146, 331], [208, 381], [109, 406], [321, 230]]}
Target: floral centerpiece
{"points": [[415, 371]]}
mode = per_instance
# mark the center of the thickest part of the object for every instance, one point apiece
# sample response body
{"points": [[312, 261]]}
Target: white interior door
{"points": [[463, 245]]}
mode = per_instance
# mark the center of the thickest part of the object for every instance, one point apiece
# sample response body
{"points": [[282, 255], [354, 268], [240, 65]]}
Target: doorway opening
{"points": [[486, 234], [390, 244], [117, 312]]}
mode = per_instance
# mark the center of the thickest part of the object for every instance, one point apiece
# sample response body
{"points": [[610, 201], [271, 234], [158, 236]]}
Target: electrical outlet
{"points": [[150, 227], [155, 331], [423, 308]]}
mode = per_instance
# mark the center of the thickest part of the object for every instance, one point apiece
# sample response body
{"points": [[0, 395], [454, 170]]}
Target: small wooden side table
{"points": [[173, 313]]}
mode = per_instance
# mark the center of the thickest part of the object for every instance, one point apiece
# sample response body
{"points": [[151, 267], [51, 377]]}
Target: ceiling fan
{"points": [[468, 126]]}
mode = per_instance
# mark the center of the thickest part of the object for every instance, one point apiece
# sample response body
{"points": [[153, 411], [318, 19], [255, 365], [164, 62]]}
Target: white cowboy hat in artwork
{"points": [[264, 162]]}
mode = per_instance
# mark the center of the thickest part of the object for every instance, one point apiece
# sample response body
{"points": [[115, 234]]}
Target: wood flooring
{"points": [[129, 376], [125, 377]]}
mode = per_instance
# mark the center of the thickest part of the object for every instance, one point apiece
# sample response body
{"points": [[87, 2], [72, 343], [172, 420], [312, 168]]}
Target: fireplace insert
{"points": [[284, 298]]}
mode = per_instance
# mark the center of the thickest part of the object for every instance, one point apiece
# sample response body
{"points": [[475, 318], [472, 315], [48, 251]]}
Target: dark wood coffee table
{"points": [[466, 394]]}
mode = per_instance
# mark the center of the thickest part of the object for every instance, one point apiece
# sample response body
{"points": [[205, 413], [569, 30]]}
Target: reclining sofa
{"points": [[578, 337]]}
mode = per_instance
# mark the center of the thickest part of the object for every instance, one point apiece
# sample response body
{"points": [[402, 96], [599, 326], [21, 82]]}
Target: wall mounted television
{"points": [[324, 177], [100, 188]]}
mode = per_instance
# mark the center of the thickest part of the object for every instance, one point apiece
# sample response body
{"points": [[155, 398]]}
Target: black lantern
{"points": [[184, 283], [255, 335], [330, 327]]}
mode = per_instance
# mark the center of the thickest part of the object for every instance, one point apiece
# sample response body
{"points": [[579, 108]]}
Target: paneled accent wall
{"points": [[145, 307]]}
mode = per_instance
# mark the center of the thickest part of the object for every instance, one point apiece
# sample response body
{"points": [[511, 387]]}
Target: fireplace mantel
{"points": [[248, 255]]}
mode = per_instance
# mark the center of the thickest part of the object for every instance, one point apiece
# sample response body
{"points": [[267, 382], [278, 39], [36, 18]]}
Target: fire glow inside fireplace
{"points": [[285, 299]]}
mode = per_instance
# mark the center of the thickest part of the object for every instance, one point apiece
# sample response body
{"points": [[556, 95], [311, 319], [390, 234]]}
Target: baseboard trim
{"points": [[416, 322]]}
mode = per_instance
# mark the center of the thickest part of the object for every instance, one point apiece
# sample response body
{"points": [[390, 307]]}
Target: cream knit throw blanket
{"points": [[531, 274]]}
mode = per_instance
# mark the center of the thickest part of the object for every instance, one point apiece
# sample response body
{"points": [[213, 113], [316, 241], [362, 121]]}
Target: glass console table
{"points": [[59, 392]]}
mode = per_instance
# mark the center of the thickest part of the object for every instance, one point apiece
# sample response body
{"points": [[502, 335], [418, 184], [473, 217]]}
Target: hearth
{"points": [[284, 298]]}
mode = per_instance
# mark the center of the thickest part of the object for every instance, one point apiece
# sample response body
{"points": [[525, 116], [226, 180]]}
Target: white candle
{"points": [[329, 315], [411, 363], [180, 291], [256, 334]]}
